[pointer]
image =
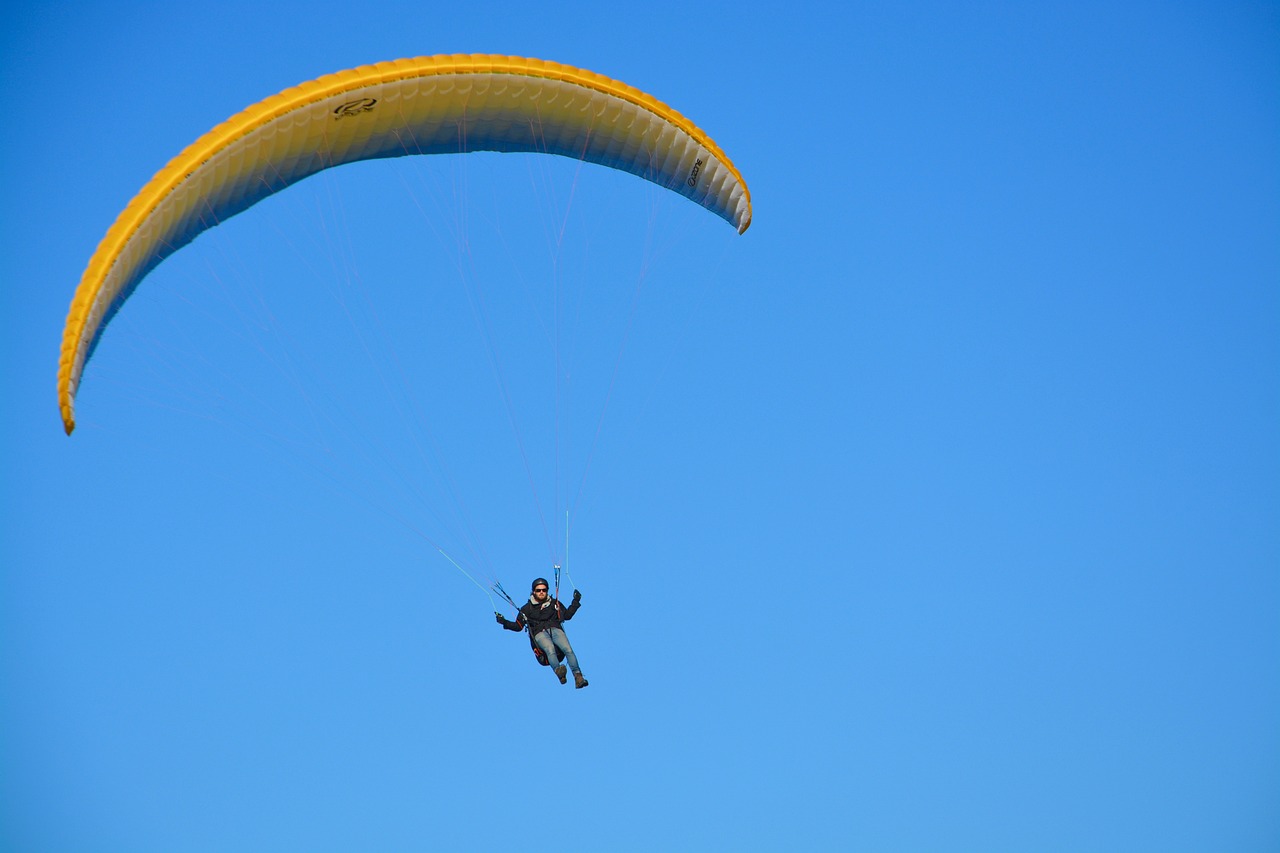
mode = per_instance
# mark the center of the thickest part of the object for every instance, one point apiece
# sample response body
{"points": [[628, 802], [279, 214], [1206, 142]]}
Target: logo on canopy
{"points": [[354, 108], [693, 175]]}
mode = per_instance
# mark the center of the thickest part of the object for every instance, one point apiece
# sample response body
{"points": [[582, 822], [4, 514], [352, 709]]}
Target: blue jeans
{"points": [[552, 639]]}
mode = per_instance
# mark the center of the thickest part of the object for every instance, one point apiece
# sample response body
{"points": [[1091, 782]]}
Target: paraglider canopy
{"points": [[426, 105]]}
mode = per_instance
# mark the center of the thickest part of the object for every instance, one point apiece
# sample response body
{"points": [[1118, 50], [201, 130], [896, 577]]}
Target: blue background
{"points": [[937, 512]]}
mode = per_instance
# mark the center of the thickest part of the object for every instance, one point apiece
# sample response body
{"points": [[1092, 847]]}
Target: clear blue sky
{"points": [[939, 512]]}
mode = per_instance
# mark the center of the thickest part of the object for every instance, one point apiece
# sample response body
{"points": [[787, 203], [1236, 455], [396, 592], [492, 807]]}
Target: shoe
{"points": [[560, 673], [578, 680]]}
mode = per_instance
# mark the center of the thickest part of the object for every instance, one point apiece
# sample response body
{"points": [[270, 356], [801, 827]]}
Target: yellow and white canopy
{"points": [[427, 105]]}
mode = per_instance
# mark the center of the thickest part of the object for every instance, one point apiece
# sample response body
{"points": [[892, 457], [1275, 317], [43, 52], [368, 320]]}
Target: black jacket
{"points": [[540, 617]]}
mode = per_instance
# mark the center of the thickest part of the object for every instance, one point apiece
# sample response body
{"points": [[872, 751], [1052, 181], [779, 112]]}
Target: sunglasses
{"points": [[541, 589]]}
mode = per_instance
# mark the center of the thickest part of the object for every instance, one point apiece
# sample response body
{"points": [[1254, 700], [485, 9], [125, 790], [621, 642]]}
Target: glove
{"points": [[577, 596], [502, 620]]}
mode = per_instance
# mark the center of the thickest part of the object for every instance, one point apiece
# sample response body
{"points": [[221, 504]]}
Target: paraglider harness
{"points": [[537, 652]]}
